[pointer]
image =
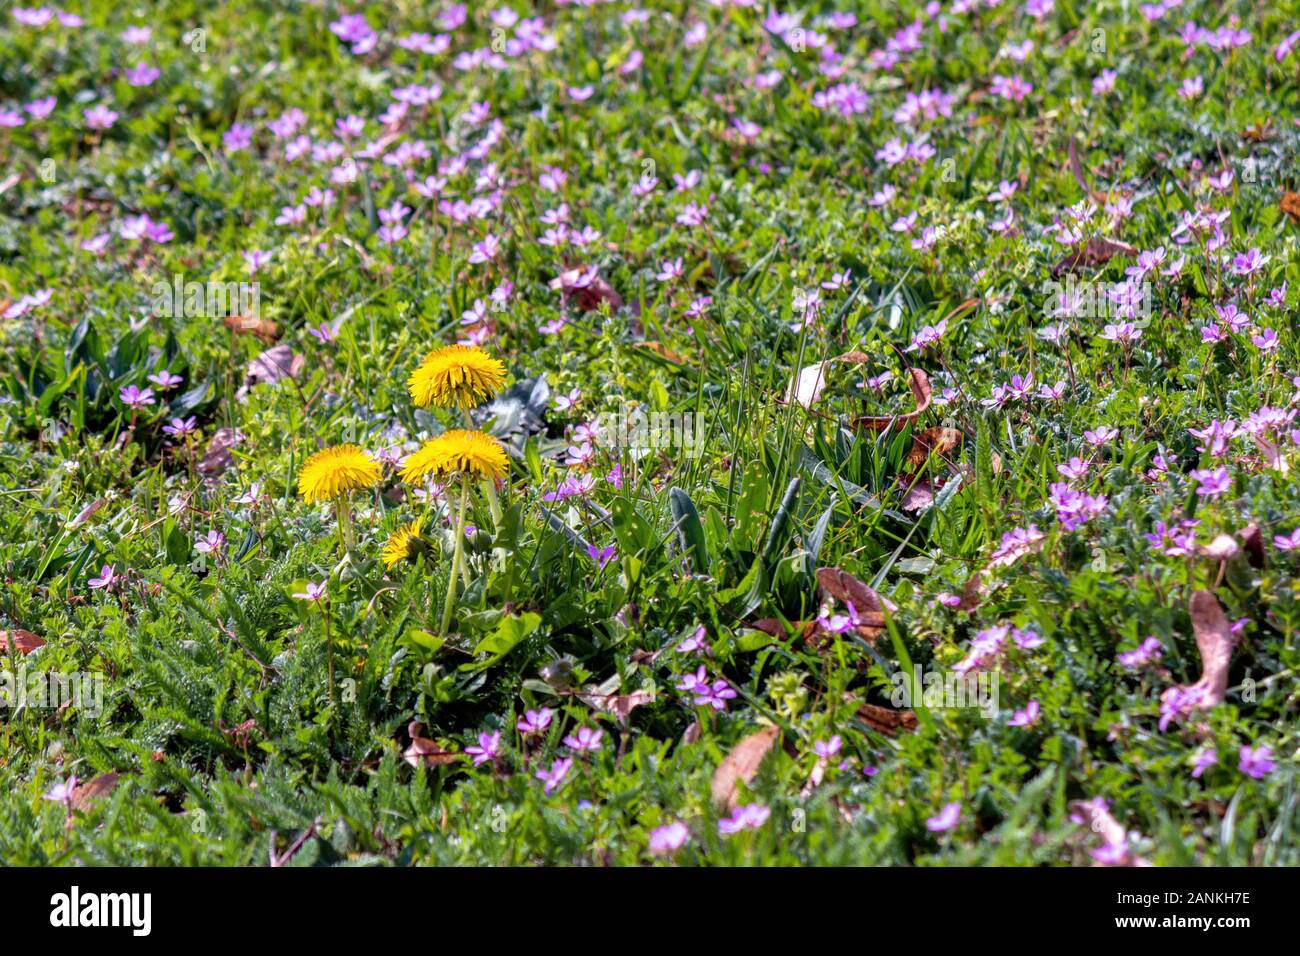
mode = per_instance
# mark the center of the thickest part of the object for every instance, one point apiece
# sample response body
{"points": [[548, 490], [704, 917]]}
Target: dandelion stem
{"points": [[347, 535], [489, 486], [458, 547], [329, 658]]}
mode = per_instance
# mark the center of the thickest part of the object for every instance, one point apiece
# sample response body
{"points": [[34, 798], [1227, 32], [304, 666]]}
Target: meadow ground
{"points": [[677, 433]]}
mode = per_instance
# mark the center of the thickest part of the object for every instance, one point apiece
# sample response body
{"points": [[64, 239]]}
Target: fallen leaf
{"points": [[87, 512], [844, 587], [740, 766], [271, 366], [24, 641], [1215, 642], [1095, 252], [1076, 170], [218, 457], [917, 495], [620, 705], [1290, 204], [854, 357], [773, 626], [264, 329], [1258, 132], [886, 720], [664, 351], [586, 289], [972, 594], [101, 786], [423, 752], [807, 387], [921, 391], [932, 441]]}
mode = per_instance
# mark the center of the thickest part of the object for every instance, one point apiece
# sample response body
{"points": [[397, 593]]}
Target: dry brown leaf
{"points": [[1215, 642], [740, 766], [24, 641], [773, 626], [271, 366], [918, 495], [885, 720], [664, 351], [620, 705], [101, 786], [264, 329], [968, 472], [1290, 204], [423, 752], [921, 391], [1095, 252], [87, 512], [844, 587], [218, 456], [965, 307], [1076, 170], [854, 357], [932, 441], [972, 593], [586, 289], [1258, 132], [815, 637]]}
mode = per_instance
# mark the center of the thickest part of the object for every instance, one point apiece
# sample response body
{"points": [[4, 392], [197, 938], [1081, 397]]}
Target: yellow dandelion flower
{"points": [[403, 544], [456, 375], [457, 452], [333, 472]]}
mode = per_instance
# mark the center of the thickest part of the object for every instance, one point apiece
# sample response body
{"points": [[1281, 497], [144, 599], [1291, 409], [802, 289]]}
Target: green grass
{"points": [[216, 716]]}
